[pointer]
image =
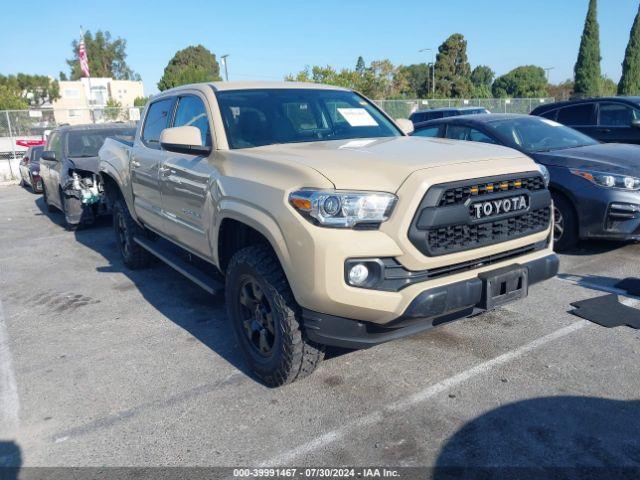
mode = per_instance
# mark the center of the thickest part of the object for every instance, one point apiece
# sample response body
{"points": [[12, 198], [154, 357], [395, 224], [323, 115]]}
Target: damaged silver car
{"points": [[69, 170]]}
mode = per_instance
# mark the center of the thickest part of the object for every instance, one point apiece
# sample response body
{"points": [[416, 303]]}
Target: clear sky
{"points": [[269, 39]]}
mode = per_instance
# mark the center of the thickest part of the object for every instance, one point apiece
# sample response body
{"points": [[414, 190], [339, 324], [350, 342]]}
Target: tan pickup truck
{"points": [[323, 221]]}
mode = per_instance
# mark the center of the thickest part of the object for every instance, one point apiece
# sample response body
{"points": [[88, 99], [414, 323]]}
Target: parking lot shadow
{"points": [[596, 247], [550, 437], [594, 282], [175, 297], [10, 460]]}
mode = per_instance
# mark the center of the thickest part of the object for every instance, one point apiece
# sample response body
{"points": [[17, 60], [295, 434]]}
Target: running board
{"points": [[173, 256]]}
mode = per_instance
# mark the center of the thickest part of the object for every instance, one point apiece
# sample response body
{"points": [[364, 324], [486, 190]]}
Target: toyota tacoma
{"points": [[324, 223]]}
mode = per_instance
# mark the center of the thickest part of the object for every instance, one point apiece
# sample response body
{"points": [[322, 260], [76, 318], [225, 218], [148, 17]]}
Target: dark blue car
{"points": [[595, 187]]}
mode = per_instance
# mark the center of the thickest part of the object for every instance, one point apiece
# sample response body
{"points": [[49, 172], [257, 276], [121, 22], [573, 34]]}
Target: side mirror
{"points": [[49, 155], [186, 139], [405, 125], [635, 123]]}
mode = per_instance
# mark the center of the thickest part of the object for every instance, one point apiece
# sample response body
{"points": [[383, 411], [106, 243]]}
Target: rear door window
{"points": [[617, 115], [156, 121], [428, 132], [578, 115]]}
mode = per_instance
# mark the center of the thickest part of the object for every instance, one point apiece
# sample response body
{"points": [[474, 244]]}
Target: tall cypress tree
{"points": [[587, 68], [630, 81]]}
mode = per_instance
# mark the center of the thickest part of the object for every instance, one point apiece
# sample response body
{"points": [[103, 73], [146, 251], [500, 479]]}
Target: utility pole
{"points": [[224, 62], [548, 69], [433, 68]]}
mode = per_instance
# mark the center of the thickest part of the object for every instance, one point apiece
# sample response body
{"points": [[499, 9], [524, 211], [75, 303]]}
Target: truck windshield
{"points": [[270, 116], [86, 143]]}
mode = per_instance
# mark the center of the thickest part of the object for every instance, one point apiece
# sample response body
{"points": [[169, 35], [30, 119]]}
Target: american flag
{"points": [[84, 61]]}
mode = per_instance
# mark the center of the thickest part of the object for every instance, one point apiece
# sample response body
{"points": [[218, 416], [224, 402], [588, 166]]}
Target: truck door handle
{"points": [[604, 130]]}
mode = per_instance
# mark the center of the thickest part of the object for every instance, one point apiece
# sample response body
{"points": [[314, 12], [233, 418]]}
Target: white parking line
{"points": [[9, 403], [418, 397]]}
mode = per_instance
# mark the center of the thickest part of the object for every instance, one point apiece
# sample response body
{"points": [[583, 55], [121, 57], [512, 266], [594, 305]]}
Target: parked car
{"points": [[329, 225], [595, 187], [435, 113], [610, 119], [30, 169], [69, 170]]}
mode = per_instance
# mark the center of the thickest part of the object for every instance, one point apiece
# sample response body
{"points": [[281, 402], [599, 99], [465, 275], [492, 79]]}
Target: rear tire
{"points": [[565, 230], [266, 318], [126, 228]]}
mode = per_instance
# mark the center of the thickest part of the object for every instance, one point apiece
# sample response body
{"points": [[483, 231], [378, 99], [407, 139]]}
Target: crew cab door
{"points": [[145, 160], [185, 178]]}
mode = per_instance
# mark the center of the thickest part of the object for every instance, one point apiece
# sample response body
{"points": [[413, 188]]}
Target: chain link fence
{"points": [[17, 125], [34, 124], [404, 108]]}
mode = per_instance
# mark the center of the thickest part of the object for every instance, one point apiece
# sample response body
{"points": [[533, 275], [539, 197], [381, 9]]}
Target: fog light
{"points": [[358, 274]]}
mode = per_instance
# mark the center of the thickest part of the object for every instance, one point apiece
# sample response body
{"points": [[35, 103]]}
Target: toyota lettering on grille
{"points": [[500, 206]]}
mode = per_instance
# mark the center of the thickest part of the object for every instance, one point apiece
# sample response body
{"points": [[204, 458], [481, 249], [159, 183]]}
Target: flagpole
{"points": [[88, 76]]}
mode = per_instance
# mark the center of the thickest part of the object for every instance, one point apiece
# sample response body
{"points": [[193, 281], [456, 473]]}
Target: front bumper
{"points": [[430, 308], [606, 213]]}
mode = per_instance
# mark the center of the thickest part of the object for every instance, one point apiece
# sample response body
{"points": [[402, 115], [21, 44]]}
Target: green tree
{"points": [[10, 99], [193, 64], [62, 76], [418, 78], [482, 76], [453, 72], [140, 101], [107, 57], [360, 66], [526, 81], [587, 68], [113, 109], [630, 81], [34, 90], [562, 90], [381, 79], [608, 88]]}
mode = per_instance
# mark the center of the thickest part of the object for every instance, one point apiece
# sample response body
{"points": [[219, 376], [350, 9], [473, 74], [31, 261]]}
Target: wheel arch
{"points": [[241, 225]]}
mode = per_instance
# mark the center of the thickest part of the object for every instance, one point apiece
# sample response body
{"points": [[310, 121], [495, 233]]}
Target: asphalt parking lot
{"points": [[100, 366]]}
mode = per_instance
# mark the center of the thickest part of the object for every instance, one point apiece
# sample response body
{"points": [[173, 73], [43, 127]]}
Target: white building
{"points": [[83, 101]]}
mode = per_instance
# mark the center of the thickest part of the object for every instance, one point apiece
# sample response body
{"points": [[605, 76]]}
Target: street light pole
{"points": [[548, 69], [433, 68], [224, 62]]}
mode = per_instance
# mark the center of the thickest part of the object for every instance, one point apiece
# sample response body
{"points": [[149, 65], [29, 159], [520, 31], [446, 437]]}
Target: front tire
{"points": [[565, 230], [126, 228], [266, 318], [72, 227], [45, 197]]}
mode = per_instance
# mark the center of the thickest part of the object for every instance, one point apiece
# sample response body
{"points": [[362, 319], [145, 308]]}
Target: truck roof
{"points": [[249, 85]]}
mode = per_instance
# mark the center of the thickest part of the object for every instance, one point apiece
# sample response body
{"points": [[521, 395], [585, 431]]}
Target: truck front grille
{"points": [[461, 194], [445, 221], [465, 237]]}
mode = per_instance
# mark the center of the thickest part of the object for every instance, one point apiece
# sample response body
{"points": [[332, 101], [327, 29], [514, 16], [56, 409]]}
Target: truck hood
{"points": [[379, 163], [606, 157]]}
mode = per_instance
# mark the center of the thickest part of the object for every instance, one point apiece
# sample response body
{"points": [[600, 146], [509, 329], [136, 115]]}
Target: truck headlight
{"points": [[609, 180], [343, 209]]}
